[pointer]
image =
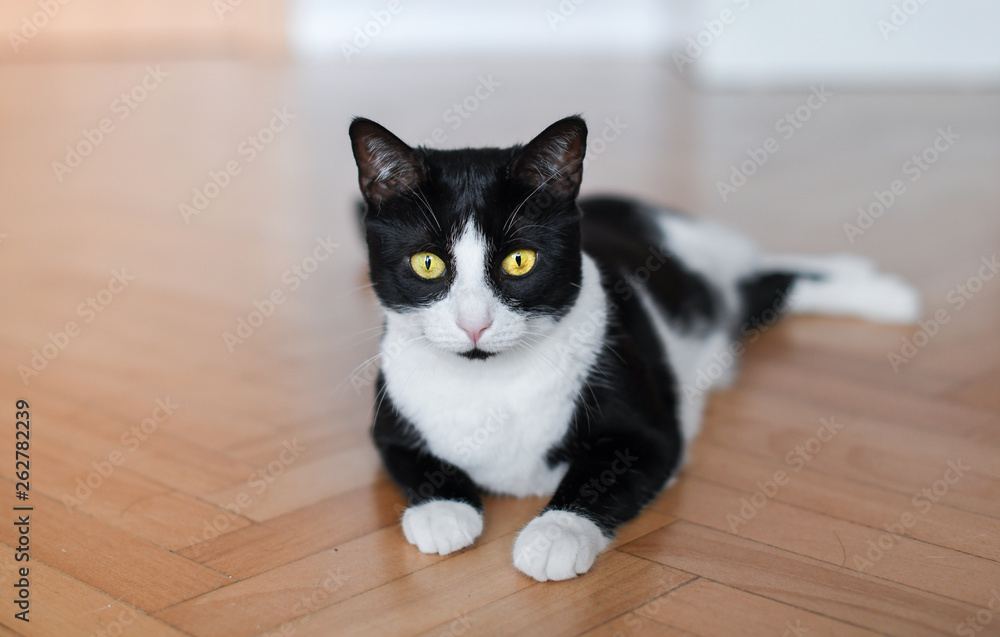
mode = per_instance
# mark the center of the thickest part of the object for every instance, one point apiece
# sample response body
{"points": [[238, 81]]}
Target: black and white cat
{"points": [[539, 345]]}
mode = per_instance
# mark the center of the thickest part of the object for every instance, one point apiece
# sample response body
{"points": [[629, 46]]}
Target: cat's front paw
{"points": [[442, 526], [558, 545]]}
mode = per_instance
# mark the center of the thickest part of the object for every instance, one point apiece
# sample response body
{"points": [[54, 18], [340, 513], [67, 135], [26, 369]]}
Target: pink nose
{"points": [[474, 329]]}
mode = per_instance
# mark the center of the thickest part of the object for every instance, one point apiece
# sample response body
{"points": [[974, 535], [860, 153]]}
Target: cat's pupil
{"points": [[517, 258], [427, 262]]}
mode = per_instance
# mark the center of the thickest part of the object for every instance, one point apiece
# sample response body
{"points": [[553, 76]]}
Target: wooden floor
{"points": [[187, 483]]}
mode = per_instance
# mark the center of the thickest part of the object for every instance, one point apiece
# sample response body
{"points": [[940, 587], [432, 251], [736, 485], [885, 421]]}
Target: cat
{"points": [[537, 344]]}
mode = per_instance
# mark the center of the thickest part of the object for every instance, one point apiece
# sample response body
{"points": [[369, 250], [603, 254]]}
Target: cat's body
{"points": [[582, 377]]}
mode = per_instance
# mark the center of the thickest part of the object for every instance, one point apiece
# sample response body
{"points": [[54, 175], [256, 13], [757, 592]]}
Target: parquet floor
{"points": [[186, 482]]}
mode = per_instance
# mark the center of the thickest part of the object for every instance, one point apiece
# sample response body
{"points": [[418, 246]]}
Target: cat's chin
{"points": [[476, 354]]}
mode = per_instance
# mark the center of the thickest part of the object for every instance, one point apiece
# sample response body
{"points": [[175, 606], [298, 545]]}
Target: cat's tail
{"points": [[833, 285]]}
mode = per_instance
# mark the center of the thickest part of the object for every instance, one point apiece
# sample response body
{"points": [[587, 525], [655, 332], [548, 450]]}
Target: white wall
{"points": [[738, 44], [876, 43], [320, 28]]}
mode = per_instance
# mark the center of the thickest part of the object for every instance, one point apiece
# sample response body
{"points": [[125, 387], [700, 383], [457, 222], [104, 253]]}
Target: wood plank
{"points": [[324, 525], [876, 508], [855, 598], [705, 607], [289, 593], [838, 542], [854, 397], [617, 584], [980, 393], [630, 623], [875, 453], [285, 483], [118, 496], [62, 605], [107, 558]]}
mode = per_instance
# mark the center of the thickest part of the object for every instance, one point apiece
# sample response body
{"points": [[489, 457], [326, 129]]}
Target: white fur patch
{"points": [[497, 418], [442, 526], [688, 356], [558, 545], [718, 253], [722, 257], [852, 286]]}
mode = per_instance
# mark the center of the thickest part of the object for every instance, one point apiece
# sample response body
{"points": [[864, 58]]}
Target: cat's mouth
{"points": [[476, 354]]}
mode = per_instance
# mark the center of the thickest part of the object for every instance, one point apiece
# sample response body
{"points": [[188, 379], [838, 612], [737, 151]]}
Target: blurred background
{"points": [[689, 92], [730, 44]]}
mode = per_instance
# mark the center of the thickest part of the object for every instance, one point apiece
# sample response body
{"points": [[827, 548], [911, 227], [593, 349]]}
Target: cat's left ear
{"points": [[554, 159], [386, 165]]}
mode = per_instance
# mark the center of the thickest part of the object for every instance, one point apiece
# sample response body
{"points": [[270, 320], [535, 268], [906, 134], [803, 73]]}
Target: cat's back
{"points": [[631, 241]]}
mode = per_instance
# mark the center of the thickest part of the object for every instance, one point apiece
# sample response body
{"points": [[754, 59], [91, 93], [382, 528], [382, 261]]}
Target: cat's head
{"points": [[477, 250]]}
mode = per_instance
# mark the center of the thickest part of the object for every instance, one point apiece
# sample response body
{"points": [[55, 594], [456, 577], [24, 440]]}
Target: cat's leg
{"points": [[445, 512], [607, 484]]}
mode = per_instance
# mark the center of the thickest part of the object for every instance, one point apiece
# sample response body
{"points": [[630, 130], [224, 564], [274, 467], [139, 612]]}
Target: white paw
{"points": [[442, 526], [558, 545]]}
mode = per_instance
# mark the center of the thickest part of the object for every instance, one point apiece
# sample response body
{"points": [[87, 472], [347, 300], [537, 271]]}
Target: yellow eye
{"points": [[519, 263], [427, 265]]}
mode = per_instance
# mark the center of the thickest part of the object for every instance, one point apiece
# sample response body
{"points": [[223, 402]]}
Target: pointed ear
{"points": [[386, 165], [554, 159]]}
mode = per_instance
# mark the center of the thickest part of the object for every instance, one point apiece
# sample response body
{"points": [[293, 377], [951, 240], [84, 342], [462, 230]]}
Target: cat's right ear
{"points": [[386, 165], [554, 159]]}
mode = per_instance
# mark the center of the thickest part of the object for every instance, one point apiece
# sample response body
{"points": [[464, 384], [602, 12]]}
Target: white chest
{"points": [[494, 419]]}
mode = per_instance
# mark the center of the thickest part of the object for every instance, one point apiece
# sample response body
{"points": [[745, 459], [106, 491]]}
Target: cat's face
{"points": [[476, 250]]}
